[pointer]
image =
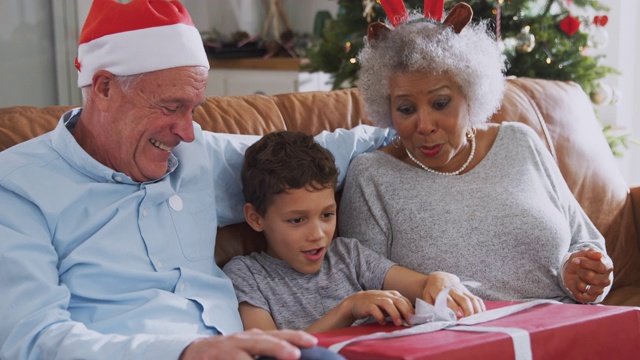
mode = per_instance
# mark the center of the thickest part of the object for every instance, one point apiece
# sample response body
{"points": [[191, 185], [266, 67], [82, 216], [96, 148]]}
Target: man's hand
{"points": [[586, 274], [460, 299], [281, 344]]}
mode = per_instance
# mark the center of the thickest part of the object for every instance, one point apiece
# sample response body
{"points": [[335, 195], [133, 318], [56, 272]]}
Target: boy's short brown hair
{"points": [[285, 160]]}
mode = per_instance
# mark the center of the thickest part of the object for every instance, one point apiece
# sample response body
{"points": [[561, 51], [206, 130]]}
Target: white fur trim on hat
{"points": [[141, 51]]}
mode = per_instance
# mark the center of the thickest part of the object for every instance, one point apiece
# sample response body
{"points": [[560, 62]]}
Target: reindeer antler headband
{"points": [[457, 18]]}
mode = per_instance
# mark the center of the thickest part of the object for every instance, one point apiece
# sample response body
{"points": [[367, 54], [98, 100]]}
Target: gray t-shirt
{"points": [[507, 223], [297, 300]]}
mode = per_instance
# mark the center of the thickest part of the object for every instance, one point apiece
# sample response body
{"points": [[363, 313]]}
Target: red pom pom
{"points": [[569, 25]]}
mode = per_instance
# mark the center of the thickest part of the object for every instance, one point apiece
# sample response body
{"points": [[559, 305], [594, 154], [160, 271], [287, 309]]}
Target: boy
{"points": [[306, 279]]}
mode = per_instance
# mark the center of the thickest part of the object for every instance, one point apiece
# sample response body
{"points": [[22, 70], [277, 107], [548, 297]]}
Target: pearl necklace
{"points": [[472, 138]]}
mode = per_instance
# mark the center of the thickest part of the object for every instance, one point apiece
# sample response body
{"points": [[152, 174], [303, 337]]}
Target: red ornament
{"points": [[601, 20], [569, 25]]}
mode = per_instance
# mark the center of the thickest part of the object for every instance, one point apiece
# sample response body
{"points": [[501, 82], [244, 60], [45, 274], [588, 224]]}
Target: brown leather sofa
{"points": [[559, 112]]}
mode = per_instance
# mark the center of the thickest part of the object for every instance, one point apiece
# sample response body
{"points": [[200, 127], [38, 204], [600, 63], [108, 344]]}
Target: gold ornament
{"points": [[525, 41], [602, 94]]}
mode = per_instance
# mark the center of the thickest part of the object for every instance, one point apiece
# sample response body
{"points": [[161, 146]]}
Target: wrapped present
{"points": [[544, 330]]}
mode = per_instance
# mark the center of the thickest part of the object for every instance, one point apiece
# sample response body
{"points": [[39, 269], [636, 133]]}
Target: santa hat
{"points": [[137, 37]]}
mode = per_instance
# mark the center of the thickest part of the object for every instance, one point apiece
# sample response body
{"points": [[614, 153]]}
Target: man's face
{"points": [[140, 128]]}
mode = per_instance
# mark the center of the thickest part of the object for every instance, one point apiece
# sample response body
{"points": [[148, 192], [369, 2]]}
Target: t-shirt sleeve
{"points": [[245, 282], [370, 267]]}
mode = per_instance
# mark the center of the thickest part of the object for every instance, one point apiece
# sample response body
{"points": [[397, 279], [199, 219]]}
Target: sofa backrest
{"points": [[560, 112]]}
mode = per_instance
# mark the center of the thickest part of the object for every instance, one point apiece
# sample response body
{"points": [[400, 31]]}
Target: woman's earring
{"points": [[395, 140]]}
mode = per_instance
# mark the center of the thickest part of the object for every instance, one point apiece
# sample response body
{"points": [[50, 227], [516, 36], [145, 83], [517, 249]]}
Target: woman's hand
{"points": [[380, 304], [587, 273], [460, 299]]}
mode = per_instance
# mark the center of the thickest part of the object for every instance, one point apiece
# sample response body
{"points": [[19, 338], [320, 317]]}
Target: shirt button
{"points": [[181, 287], [145, 212], [117, 178], [175, 202], [159, 265]]}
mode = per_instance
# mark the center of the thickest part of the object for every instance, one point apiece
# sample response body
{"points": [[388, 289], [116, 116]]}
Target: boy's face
{"points": [[299, 227]]}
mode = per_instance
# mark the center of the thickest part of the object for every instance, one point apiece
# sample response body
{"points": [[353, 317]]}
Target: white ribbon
{"points": [[430, 318], [520, 338]]}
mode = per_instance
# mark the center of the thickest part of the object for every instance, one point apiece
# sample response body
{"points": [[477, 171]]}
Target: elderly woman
{"points": [[484, 201]]}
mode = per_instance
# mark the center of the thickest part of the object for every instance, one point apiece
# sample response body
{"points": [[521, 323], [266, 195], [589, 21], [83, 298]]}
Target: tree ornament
{"points": [[368, 12], [598, 37], [602, 94], [600, 20], [525, 41], [569, 25]]}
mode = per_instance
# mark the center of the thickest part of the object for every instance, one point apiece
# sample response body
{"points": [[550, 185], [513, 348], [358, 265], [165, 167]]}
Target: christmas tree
{"points": [[548, 39]]}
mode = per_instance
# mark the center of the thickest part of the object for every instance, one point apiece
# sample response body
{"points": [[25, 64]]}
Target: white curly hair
{"points": [[473, 58]]}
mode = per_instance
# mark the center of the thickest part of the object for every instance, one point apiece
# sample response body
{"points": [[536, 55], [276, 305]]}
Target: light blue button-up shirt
{"points": [[94, 265]]}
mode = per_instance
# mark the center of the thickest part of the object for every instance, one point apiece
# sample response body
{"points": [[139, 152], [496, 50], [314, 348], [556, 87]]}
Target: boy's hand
{"points": [[460, 299], [380, 304]]}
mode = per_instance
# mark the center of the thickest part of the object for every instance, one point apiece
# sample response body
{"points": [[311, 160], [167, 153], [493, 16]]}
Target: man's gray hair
{"points": [[472, 58], [127, 83]]}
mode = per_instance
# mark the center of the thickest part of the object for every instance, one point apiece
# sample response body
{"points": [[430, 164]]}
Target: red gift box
{"points": [[557, 331]]}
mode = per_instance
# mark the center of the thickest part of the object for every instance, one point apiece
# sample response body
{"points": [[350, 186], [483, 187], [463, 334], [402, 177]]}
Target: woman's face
{"points": [[431, 116]]}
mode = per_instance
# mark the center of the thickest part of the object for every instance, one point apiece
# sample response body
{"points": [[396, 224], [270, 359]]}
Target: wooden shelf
{"points": [[277, 63]]}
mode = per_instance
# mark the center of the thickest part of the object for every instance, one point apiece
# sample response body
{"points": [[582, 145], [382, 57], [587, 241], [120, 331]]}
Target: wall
{"points": [[623, 53], [26, 53]]}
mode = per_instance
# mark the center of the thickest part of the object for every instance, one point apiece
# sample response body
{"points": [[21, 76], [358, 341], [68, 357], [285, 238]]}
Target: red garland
{"points": [[569, 25]]}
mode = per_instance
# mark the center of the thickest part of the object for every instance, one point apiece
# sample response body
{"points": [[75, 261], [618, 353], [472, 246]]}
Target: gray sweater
{"points": [[297, 300], [506, 224]]}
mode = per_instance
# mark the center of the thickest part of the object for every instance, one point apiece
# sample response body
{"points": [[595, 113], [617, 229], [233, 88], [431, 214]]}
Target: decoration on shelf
{"points": [[569, 25], [525, 41], [237, 45], [276, 21], [282, 39]]}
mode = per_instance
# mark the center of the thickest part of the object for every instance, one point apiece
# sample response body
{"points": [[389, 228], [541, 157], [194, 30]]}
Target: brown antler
{"points": [[459, 17], [376, 30]]}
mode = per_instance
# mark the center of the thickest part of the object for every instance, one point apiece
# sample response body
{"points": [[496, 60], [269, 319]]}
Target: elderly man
{"points": [[109, 221]]}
